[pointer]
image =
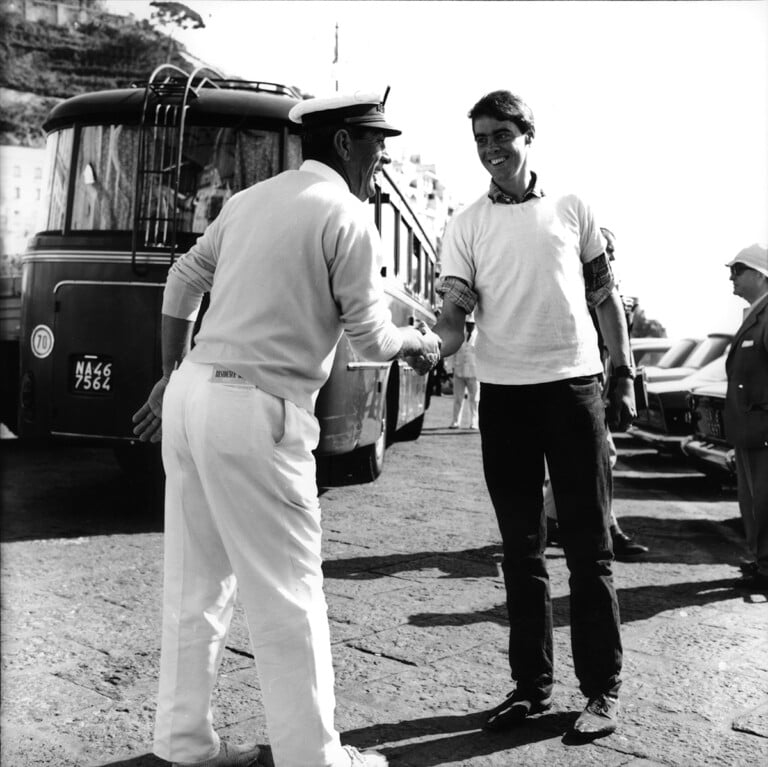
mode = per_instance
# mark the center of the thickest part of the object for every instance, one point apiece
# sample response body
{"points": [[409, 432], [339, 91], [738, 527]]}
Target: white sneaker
{"points": [[236, 756], [365, 758]]}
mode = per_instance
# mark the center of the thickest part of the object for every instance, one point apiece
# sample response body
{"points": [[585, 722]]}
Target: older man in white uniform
{"points": [[290, 263]]}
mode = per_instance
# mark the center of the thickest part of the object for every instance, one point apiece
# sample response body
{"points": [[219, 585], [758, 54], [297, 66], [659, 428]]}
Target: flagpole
{"points": [[336, 57]]}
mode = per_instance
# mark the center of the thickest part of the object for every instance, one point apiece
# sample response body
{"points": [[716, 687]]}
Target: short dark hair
{"points": [[504, 105]]}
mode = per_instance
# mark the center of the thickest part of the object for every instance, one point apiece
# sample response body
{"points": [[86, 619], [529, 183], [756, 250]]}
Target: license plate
{"points": [[90, 374], [711, 422]]}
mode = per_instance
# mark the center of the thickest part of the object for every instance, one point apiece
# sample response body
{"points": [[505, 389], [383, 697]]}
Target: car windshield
{"points": [[709, 349], [712, 371], [678, 353]]}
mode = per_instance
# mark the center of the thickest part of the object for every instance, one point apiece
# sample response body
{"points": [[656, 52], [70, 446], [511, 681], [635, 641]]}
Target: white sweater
{"points": [[290, 263]]}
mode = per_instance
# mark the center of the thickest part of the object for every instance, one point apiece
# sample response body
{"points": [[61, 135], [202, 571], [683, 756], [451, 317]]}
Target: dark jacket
{"points": [[746, 401]]}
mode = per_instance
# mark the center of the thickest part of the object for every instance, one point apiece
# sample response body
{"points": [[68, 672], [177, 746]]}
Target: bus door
{"points": [[103, 368]]}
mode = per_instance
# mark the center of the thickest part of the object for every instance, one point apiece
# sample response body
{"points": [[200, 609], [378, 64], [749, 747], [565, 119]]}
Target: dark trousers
{"points": [[563, 421]]}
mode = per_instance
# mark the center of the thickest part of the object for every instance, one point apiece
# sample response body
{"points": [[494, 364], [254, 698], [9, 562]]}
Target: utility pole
{"points": [[336, 57]]}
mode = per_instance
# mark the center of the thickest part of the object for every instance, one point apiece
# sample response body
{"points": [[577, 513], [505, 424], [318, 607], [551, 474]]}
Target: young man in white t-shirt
{"points": [[523, 260]]}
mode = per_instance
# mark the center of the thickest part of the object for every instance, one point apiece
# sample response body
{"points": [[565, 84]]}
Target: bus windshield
{"points": [[216, 162]]}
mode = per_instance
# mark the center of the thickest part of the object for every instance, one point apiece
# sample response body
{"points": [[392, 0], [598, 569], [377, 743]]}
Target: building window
{"points": [[17, 171], [17, 192], [38, 174]]}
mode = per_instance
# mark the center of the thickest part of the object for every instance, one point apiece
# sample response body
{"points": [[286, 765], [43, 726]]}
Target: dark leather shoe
{"points": [[514, 710], [625, 548], [598, 719], [754, 581], [748, 566]]}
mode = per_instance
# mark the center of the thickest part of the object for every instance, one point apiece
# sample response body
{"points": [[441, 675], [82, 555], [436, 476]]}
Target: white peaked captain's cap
{"points": [[362, 110]]}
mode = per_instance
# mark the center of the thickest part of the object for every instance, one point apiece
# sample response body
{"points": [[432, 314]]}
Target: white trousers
{"points": [[472, 389], [241, 511]]}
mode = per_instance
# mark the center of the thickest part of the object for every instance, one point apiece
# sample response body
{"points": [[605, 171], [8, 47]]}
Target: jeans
{"points": [[563, 421]]}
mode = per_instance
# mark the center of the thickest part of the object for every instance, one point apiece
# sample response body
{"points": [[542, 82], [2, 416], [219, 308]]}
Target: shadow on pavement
{"points": [[70, 492], [636, 604], [458, 738], [482, 562], [143, 760]]}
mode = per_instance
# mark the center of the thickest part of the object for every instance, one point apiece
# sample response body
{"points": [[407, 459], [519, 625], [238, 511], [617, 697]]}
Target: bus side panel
{"points": [[349, 406], [412, 390]]}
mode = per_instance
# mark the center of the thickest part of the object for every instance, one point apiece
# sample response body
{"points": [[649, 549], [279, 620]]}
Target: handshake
{"points": [[421, 347]]}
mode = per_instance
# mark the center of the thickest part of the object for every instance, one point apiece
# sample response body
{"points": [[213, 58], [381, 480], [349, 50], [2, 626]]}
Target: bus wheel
{"points": [[411, 430], [366, 463]]}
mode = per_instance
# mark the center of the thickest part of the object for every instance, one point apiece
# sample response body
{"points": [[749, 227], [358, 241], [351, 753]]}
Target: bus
{"points": [[135, 176]]}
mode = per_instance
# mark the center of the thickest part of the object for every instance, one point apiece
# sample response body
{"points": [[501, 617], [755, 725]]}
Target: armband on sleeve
{"points": [[455, 290], [598, 280]]}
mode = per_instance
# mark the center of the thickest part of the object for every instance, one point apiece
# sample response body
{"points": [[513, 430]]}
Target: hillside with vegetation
{"points": [[41, 64]]}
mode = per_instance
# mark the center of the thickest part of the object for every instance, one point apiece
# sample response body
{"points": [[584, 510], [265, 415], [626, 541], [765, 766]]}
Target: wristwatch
{"points": [[624, 371]]}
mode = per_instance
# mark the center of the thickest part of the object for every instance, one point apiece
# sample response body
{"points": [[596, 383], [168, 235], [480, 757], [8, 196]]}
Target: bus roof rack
{"points": [[259, 86]]}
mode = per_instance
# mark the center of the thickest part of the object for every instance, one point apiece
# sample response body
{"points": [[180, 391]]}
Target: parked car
{"points": [[649, 351], [708, 448], [677, 365], [665, 422]]}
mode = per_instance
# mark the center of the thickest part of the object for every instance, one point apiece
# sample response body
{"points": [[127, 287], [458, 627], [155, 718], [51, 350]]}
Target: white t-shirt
{"points": [[525, 263]]}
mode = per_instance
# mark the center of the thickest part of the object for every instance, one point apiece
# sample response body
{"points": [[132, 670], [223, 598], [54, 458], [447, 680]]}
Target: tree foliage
{"points": [[168, 14], [642, 327]]}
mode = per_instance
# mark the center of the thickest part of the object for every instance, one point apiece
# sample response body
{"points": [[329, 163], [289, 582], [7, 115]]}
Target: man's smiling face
{"points": [[502, 149]]}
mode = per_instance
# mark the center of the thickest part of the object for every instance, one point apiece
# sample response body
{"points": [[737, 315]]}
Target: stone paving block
{"points": [[686, 739], [422, 645], [689, 687], [680, 640], [367, 588], [132, 676], [39, 698], [351, 664], [753, 722], [351, 618]]}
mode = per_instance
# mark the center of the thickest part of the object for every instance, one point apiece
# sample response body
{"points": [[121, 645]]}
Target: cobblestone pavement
{"points": [[417, 614]]}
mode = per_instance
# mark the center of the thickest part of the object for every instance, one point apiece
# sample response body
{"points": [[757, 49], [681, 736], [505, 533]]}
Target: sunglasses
{"points": [[738, 269]]}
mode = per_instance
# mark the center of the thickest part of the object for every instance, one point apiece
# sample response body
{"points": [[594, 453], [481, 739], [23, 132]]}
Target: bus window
{"points": [[416, 266], [429, 288], [59, 157], [216, 162], [105, 178], [404, 247], [294, 151], [388, 245]]}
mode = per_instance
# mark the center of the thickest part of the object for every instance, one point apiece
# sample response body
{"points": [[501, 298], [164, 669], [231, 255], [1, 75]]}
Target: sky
{"points": [[654, 112]]}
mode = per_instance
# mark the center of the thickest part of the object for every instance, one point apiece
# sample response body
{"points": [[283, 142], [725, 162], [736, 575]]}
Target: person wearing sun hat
{"points": [[290, 264], [746, 409]]}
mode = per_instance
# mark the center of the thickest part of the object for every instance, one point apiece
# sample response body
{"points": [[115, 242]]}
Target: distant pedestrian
{"points": [[465, 385], [290, 263], [438, 375], [746, 409], [522, 260]]}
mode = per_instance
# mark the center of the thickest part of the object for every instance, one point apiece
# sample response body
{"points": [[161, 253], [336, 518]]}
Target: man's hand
{"points": [[149, 417], [622, 408], [429, 354]]}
